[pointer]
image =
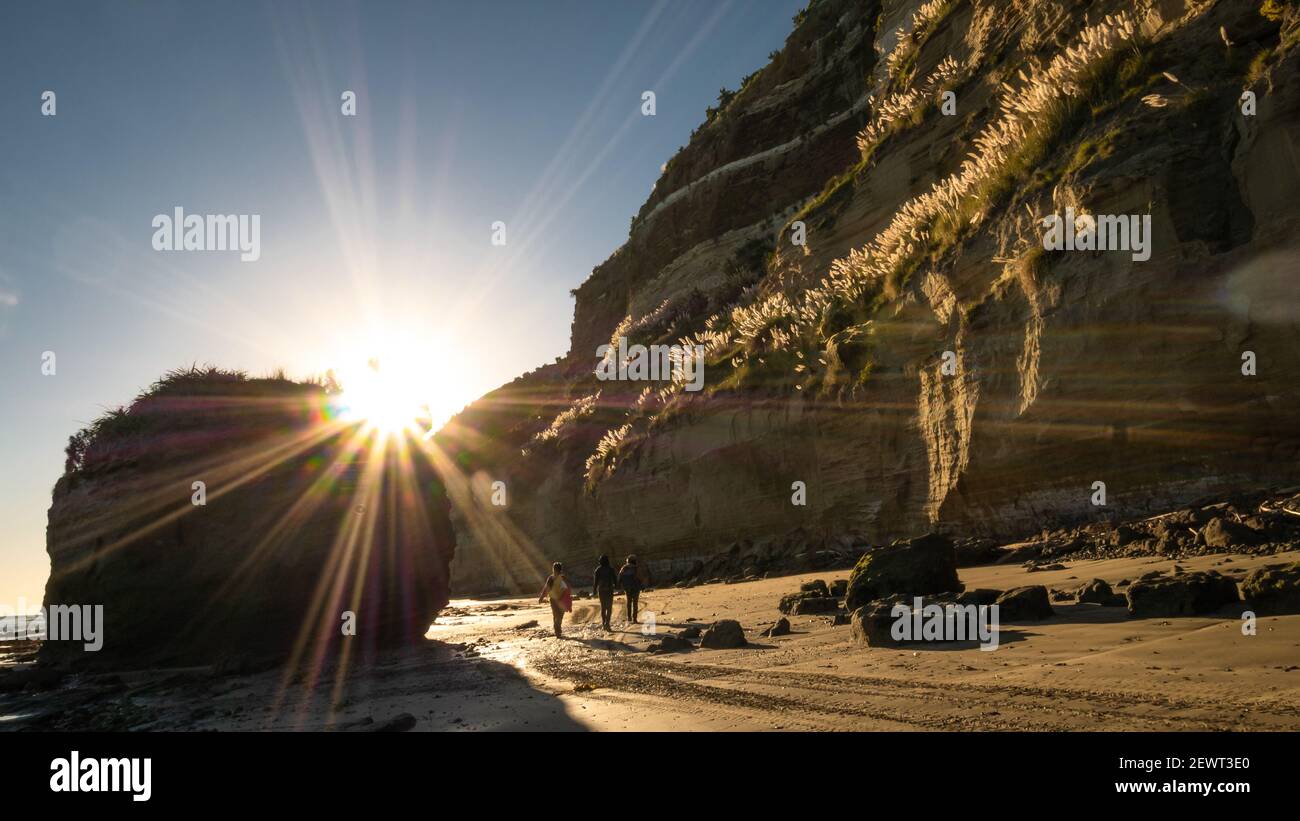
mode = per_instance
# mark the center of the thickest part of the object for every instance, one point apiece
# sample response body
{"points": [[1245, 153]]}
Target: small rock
{"points": [[781, 628], [723, 635], [1024, 604]]}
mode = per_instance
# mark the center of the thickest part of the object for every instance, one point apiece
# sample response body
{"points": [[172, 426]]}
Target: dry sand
{"points": [[1089, 668]]}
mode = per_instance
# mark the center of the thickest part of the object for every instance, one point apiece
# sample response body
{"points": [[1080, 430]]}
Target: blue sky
{"points": [[375, 230]]}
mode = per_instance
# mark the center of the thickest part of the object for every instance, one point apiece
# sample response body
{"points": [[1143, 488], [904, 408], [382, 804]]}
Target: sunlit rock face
{"points": [[987, 384], [302, 519]]}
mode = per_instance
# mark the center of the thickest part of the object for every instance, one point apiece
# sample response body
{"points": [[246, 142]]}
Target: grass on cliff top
{"points": [[191, 398]]}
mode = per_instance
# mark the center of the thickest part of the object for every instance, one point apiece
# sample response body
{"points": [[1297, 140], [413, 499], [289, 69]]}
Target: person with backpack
{"points": [[557, 590], [629, 578], [603, 582]]}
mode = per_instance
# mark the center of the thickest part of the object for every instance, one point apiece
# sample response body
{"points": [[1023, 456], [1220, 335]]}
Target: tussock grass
{"points": [[188, 399], [1032, 114]]}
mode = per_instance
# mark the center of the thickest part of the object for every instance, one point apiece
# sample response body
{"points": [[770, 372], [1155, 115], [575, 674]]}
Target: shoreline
{"points": [[1087, 668]]}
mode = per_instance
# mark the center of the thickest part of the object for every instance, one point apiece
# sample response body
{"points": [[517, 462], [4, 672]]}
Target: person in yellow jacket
{"points": [[557, 590]]}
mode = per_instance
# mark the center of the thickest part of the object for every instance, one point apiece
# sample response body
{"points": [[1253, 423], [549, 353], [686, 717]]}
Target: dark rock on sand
{"points": [[670, 644], [923, 566], [788, 602], [816, 586], [815, 604], [1184, 595], [1273, 591], [980, 595], [1096, 591], [781, 628], [723, 635], [1024, 604], [1223, 533], [839, 587], [692, 632], [871, 624]]}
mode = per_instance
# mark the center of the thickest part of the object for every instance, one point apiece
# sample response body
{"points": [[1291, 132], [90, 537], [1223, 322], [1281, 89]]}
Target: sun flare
{"points": [[398, 384], [385, 399]]}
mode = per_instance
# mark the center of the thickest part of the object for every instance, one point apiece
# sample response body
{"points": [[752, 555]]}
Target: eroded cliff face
{"points": [[297, 521], [923, 362]]}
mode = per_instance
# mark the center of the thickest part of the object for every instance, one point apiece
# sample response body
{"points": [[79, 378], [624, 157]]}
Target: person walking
{"points": [[629, 578], [603, 582], [557, 590]]}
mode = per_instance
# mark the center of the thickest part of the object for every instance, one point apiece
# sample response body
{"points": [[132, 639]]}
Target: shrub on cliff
{"points": [[162, 420]]}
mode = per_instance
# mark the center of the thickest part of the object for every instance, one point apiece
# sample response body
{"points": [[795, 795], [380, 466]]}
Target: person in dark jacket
{"points": [[629, 578], [603, 583]]}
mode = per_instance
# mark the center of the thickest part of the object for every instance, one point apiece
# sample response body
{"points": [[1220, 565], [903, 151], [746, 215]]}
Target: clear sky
{"points": [[375, 229]]}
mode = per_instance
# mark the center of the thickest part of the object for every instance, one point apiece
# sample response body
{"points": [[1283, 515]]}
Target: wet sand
{"points": [[1088, 668]]}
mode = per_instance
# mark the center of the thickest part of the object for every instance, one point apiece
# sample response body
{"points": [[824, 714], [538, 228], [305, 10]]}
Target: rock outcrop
{"points": [[1273, 591], [922, 567], [229, 521], [1188, 594], [922, 361]]}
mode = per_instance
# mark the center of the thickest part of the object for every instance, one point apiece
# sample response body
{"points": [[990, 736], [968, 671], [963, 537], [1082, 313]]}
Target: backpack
{"points": [[627, 577]]}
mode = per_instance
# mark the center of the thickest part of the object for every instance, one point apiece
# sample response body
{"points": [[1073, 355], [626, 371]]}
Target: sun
{"points": [[383, 398], [396, 383]]}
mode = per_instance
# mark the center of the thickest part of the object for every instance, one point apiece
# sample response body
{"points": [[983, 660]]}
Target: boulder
{"points": [[871, 624], [1222, 533], [1125, 534], [816, 587], [978, 596], [668, 643], [1024, 604], [1273, 591], [923, 566], [1096, 591], [815, 604], [839, 587], [723, 635], [256, 571], [692, 632], [788, 602], [1170, 535], [781, 628], [1183, 595]]}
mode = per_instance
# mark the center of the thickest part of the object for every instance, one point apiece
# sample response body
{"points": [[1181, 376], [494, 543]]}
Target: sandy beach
{"points": [[488, 667]]}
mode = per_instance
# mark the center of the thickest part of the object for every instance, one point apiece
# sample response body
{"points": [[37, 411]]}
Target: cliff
{"points": [[923, 361]]}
